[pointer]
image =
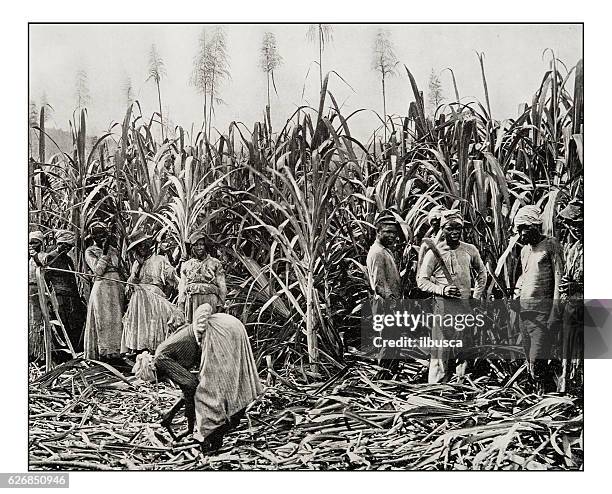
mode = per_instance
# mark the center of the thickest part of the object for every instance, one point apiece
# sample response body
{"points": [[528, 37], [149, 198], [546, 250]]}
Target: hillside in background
{"points": [[62, 138]]}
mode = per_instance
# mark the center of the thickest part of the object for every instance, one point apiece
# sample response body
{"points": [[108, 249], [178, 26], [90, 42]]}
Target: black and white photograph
{"points": [[302, 246], [229, 223]]}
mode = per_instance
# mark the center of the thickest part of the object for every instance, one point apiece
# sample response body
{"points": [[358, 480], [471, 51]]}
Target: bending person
{"points": [[228, 376], [173, 360]]}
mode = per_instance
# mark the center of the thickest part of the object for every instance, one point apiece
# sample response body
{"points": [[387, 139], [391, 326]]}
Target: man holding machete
{"points": [[446, 273]]}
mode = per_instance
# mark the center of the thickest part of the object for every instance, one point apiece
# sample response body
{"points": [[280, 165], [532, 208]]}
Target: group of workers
{"points": [[550, 289], [167, 306], [172, 306]]}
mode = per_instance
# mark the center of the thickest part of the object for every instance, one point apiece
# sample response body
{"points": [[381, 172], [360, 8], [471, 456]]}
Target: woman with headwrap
{"points": [[539, 293], [64, 284], [105, 308], [35, 319], [149, 316], [202, 279], [229, 381]]}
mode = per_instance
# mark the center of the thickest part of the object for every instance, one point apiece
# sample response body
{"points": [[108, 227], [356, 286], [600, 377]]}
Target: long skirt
{"points": [[228, 375], [103, 326], [149, 319], [36, 325], [195, 300], [72, 314]]}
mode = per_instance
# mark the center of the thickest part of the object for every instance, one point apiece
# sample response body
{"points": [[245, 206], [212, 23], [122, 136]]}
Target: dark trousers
{"points": [[183, 378], [388, 357], [538, 345]]}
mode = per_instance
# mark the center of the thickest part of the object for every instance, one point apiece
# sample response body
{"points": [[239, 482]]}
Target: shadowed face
{"points": [[35, 245], [435, 224], [99, 236], [143, 248], [64, 247], [199, 248], [387, 235], [452, 232], [529, 234]]}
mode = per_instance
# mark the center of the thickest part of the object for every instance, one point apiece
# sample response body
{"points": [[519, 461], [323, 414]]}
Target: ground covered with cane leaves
{"points": [[87, 417]]}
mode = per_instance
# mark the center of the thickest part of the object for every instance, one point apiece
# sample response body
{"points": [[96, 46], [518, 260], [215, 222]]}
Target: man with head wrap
{"points": [[542, 264], [384, 277], [71, 307], [446, 273]]}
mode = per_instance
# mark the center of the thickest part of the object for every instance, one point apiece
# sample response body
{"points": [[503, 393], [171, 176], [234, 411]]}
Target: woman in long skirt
{"points": [[106, 299], [150, 316], [202, 279], [229, 381]]}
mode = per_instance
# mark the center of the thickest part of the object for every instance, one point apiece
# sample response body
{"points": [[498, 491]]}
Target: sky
{"points": [[514, 63]]}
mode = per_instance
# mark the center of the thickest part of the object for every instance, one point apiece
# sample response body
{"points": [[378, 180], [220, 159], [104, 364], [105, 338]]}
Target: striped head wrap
{"points": [[64, 237], [527, 215], [451, 216]]}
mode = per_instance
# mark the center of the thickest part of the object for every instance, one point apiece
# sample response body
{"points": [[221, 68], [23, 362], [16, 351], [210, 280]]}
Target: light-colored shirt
{"points": [[156, 270], [206, 276], [384, 277], [459, 262]]}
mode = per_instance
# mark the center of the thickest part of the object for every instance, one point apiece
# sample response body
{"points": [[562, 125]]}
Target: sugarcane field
{"points": [[305, 247]]}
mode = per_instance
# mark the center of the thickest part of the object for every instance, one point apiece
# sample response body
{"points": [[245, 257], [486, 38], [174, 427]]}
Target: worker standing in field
{"points": [[35, 319], [71, 308], [149, 317], [384, 277], [105, 308], [202, 279], [539, 285], [572, 293], [446, 273]]}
